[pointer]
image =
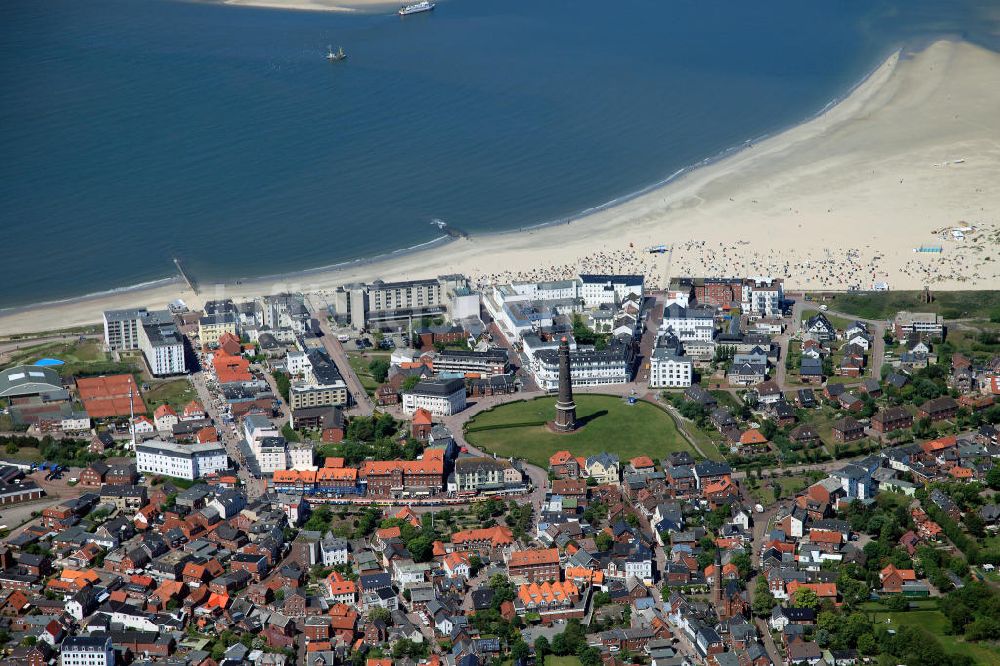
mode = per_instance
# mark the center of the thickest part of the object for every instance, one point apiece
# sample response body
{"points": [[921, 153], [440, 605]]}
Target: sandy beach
{"points": [[837, 202]]}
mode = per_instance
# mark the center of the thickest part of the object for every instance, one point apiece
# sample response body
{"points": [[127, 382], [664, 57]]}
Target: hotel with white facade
{"points": [[184, 461]]}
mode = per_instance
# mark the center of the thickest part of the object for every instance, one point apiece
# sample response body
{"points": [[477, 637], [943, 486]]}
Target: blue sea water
{"points": [[133, 131]]}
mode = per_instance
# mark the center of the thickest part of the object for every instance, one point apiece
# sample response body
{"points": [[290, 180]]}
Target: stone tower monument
{"points": [[565, 407]]}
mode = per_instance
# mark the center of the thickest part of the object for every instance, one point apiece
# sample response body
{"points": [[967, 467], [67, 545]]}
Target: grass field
{"points": [[790, 485], [552, 660], [175, 392], [840, 323], [934, 622], [360, 365], [83, 357], [951, 304], [610, 424]]}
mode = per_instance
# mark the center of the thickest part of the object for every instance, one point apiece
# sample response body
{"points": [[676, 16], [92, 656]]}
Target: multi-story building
{"points": [[121, 328], [485, 363], [378, 303], [93, 650], [184, 461], [537, 565], [214, 326], [404, 478], [687, 323], [762, 296], [154, 333], [597, 290], [440, 397], [927, 324], [670, 369], [588, 367], [283, 311], [716, 292], [892, 418], [323, 384], [482, 473]]}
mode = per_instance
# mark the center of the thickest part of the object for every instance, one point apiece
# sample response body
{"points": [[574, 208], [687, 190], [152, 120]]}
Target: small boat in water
{"points": [[416, 8], [335, 56]]}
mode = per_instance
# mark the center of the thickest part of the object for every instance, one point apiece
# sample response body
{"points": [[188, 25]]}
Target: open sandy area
{"points": [[838, 202]]}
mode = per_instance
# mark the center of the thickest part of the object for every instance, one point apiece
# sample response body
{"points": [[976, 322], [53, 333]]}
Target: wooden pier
{"points": [[187, 279]]}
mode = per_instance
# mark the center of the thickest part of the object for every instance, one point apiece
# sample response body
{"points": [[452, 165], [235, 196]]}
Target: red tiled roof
{"points": [[521, 558], [104, 397], [432, 463], [498, 535]]}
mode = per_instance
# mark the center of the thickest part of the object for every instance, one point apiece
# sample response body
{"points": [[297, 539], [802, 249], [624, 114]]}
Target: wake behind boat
{"points": [[416, 8]]}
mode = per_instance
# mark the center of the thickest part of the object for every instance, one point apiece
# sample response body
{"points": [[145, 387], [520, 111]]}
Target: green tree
{"points": [[410, 382], [283, 382], [805, 597], [379, 613], [542, 647], [379, 368]]}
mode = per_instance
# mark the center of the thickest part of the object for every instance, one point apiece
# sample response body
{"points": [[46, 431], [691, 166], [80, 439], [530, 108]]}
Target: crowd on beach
{"points": [[861, 267]]}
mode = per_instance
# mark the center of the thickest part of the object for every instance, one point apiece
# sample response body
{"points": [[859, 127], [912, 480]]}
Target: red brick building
{"points": [[391, 478], [536, 565], [892, 418]]}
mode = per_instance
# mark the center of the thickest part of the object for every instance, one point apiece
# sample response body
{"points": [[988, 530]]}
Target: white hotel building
{"points": [[153, 333], [183, 461], [668, 369], [689, 323], [441, 397], [588, 367]]}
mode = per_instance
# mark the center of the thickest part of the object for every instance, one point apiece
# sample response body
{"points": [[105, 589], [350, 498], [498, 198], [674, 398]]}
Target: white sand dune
{"points": [[837, 202]]}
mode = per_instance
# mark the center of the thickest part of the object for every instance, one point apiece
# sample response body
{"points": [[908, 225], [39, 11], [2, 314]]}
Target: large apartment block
{"points": [[588, 367], [380, 302], [183, 461], [322, 386], [152, 332], [483, 363]]}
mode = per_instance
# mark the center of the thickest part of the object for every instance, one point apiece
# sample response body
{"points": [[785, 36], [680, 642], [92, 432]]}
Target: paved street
{"points": [[254, 487], [361, 403]]}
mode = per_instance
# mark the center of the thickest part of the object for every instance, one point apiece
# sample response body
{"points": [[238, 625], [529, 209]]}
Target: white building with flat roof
{"points": [[183, 461], [152, 332], [441, 397]]}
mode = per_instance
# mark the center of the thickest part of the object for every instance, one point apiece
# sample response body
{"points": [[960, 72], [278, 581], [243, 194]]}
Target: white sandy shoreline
{"points": [[840, 200]]}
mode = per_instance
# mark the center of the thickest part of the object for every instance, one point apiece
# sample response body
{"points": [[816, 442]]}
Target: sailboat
{"points": [[333, 57]]}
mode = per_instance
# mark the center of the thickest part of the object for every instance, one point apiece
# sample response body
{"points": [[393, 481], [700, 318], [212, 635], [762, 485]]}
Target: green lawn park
{"points": [[610, 425], [934, 623]]}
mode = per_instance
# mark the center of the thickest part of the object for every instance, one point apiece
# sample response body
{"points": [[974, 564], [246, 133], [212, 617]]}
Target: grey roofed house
{"points": [[810, 367], [990, 513], [438, 387], [698, 394], [897, 380], [28, 380]]}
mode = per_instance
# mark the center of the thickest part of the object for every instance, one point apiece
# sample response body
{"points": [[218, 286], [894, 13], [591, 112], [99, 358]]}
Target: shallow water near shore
{"points": [[136, 132]]}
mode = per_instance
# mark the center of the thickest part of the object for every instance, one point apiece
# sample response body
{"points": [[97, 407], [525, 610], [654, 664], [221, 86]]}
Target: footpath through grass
{"points": [[610, 425]]}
